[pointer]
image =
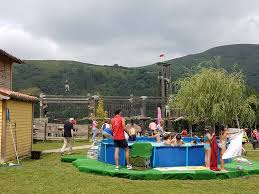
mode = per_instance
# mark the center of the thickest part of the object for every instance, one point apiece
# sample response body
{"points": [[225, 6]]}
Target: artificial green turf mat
{"points": [[71, 158], [85, 164]]}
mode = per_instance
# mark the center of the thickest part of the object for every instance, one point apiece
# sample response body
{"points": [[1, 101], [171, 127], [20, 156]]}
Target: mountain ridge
{"points": [[48, 76]]}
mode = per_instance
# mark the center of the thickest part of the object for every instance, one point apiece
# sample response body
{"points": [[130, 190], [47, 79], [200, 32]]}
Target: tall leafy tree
{"points": [[215, 96], [101, 114]]}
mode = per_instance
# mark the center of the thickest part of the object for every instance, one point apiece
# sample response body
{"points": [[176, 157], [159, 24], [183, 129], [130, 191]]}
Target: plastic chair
{"points": [[140, 155]]}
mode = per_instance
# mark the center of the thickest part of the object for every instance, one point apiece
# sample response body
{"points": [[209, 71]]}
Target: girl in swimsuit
{"points": [[132, 132], [207, 139], [167, 139]]}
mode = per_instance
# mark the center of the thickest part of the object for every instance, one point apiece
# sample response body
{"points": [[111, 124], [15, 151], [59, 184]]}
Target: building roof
{"points": [[13, 58], [5, 93]]}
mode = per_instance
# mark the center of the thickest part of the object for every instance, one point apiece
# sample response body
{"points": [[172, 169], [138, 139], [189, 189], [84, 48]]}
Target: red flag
{"points": [[161, 55]]}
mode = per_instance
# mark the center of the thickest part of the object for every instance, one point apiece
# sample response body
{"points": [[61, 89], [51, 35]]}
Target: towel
{"points": [[235, 147], [214, 154]]}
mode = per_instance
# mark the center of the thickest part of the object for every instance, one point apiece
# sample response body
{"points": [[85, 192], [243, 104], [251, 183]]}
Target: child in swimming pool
{"points": [[132, 132], [178, 140], [173, 139], [167, 139], [193, 142]]}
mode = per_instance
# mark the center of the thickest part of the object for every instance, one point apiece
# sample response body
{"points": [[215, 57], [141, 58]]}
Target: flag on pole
{"points": [[162, 55], [159, 115]]}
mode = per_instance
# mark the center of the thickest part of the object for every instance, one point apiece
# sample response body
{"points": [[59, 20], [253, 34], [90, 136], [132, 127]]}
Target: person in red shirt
{"points": [[184, 133], [118, 127]]}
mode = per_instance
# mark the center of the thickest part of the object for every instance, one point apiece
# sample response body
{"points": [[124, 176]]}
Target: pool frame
{"points": [[162, 156]]}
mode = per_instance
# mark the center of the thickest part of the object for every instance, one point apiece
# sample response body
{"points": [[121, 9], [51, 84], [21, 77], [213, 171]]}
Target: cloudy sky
{"points": [[127, 32]]}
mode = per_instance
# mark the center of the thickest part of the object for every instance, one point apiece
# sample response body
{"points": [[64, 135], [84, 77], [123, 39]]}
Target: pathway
{"points": [[74, 148]]}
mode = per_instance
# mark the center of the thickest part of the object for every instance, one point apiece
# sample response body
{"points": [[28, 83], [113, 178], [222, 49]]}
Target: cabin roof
{"points": [[13, 58], [16, 95]]}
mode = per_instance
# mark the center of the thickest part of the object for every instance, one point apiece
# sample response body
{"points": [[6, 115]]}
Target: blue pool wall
{"points": [[162, 156]]}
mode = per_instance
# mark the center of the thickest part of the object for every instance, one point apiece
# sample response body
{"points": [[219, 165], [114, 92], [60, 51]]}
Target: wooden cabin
{"points": [[20, 107]]}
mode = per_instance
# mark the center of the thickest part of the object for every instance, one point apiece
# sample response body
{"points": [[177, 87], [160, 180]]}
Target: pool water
{"points": [[161, 144]]}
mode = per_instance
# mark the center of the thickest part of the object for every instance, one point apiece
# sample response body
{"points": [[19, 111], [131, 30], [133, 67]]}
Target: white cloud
{"points": [[16, 40], [128, 32]]}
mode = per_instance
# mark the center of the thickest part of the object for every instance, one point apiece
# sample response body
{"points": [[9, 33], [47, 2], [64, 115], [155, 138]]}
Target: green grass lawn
{"points": [[49, 175]]}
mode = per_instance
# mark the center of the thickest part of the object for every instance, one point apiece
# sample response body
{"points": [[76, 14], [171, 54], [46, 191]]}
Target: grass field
{"points": [[49, 175]]}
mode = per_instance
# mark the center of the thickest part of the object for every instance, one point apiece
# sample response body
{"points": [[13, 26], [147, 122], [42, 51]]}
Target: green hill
{"points": [[244, 57], [49, 76]]}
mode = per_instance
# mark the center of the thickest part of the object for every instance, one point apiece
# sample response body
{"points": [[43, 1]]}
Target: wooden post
{"points": [[41, 105], [190, 129], [144, 107], [4, 128], [45, 130], [131, 105], [95, 98], [164, 78], [88, 133], [237, 122]]}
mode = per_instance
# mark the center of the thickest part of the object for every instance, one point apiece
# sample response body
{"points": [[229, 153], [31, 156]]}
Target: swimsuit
{"points": [[206, 138], [222, 144], [206, 146]]}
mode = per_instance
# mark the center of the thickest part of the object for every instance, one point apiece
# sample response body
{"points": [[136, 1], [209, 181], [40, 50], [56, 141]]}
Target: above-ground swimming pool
{"points": [[162, 155]]}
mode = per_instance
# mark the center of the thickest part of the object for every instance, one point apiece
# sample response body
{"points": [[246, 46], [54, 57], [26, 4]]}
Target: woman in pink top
{"points": [[255, 136], [153, 128]]}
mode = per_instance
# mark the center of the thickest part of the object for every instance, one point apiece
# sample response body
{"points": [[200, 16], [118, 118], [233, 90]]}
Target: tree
{"points": [[34, 91], [214, 96], [100, 113]]}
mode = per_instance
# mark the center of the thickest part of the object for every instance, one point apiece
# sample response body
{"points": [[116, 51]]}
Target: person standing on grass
{"points": [[68, 133], [255, 138], [207, 146], [94, 130], [245, 140], [118, 127], [223, 145]]}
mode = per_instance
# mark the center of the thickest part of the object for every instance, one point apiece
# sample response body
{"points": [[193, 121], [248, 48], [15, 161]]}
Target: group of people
{"points": [[118, 130], [254, 138], [156, 129], [173, 139], [111, 128], [223, 140], [131, 130]]}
